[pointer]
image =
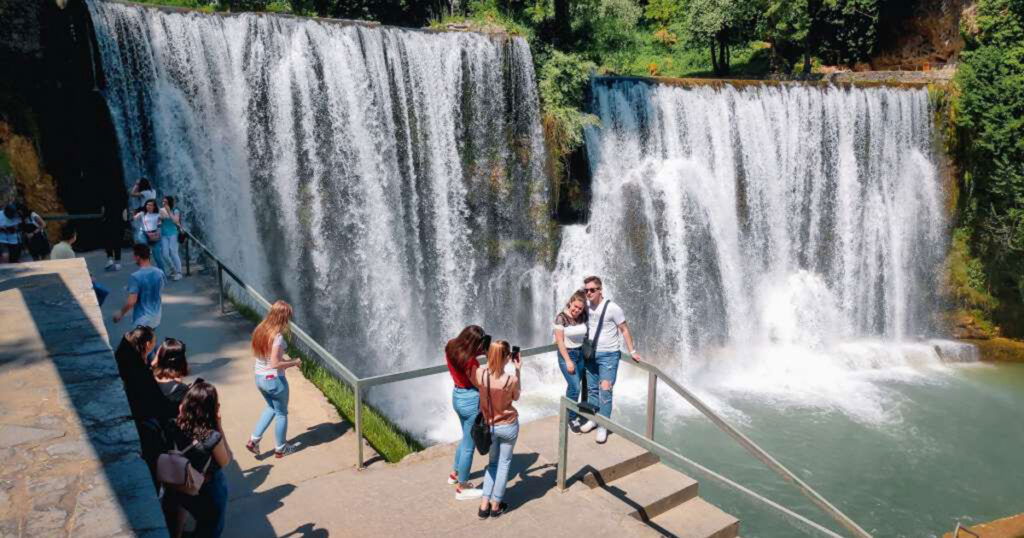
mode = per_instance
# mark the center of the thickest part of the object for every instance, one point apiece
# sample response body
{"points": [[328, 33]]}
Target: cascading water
{"points": [[389, 183], [773, 238], [377, 178]]}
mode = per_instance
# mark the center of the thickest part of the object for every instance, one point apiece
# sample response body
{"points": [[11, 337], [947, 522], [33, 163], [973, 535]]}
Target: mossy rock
{"points": [[999, 349]]}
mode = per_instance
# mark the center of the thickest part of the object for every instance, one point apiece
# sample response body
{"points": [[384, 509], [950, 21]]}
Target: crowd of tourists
{"points": [[157, 225], [179, 424], [589, 333]]}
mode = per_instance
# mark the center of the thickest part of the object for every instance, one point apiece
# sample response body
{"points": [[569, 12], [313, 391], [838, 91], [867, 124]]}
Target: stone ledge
{"points": [[71, 450]]}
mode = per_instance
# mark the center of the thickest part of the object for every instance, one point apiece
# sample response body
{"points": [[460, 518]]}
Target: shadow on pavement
{"points": [[94, 391]]}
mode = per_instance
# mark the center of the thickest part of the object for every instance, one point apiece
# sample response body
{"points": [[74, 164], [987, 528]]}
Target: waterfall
{"points": [[789, 228], [389, 183]]}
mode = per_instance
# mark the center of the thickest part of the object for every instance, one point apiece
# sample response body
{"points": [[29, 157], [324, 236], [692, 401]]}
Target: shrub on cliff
{"points": [[989, 119]]}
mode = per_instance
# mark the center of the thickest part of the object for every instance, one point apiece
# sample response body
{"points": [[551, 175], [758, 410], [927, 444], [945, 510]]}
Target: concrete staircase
{"points": [[635, 484]]}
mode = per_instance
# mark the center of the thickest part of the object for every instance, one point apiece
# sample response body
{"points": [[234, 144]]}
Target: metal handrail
{"points": [[670, 458], [654, 374], [959, 527]]}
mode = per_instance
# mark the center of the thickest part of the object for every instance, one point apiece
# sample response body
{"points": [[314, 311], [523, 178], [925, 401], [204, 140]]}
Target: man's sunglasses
{"points": [[591, 290]]}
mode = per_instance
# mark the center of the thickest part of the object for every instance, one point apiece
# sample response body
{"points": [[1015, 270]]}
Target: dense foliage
{"points": [[988, 113]]}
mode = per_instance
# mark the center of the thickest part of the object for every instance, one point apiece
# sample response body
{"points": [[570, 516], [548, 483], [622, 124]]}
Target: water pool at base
{"points": [[951, 448]]}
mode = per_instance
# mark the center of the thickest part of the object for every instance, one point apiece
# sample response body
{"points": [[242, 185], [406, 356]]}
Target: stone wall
{"points": [[69, 447]]}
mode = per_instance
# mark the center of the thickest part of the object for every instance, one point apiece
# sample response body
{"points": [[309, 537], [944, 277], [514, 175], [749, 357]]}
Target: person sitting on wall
{"points": [[63, 251]]}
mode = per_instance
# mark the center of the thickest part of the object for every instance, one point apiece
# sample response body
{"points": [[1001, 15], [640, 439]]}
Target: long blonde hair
{"points": [[274, 324], [497, 357]]}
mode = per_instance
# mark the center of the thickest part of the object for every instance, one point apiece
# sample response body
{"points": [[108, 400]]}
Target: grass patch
{"points": [[384, 436]]}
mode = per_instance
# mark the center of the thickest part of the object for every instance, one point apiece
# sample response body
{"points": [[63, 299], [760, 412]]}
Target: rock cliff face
{"points": [[921, 34], [58, 151]]}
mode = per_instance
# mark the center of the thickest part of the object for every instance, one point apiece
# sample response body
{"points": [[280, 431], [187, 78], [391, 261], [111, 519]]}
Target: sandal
{"points": [[253, 446]]}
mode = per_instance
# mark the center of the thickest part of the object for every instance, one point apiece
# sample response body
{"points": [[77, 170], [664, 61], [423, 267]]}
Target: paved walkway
{"points": [[317, 491]]}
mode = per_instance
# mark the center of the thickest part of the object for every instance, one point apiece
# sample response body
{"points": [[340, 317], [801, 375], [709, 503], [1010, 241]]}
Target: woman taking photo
{"points": [[199, 422], [169, 370], [570, 330], [460, 353], [498, 391], [170, 220], [268, 346]]}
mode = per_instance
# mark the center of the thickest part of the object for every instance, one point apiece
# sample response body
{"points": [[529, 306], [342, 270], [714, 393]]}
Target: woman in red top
{"points": [[461, 353]]}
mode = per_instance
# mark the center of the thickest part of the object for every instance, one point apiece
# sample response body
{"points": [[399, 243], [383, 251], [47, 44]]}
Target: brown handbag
{"points": [[174, 469]]}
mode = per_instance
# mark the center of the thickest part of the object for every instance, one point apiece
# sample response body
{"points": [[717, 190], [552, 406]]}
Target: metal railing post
{"points": [[220, 286], [359, 424], [652, 402], [563, 442], [188, 259]]}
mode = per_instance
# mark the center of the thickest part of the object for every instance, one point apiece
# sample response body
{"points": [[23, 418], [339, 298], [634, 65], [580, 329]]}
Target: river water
{"points": [[777, 248]]}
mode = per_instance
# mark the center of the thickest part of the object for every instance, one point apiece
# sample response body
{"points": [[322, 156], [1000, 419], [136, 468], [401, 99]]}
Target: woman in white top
{"points": [[570, 330], [268, 346], [149, 222]]}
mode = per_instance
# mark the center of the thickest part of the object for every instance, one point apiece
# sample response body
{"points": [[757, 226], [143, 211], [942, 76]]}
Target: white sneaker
{"points": [[177, 276], [468, 494], [602, 435], [452, 479], [588, 426], [117, 267], [110, 263]]}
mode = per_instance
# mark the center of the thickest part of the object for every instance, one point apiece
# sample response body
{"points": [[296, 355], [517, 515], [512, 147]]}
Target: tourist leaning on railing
{"points": [[460, 353], [570, 329], [498, 391], [268, 346], [605, 320], [170, 221]]}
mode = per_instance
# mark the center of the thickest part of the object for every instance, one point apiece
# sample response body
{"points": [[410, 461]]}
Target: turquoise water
{"points": [[950, 447]]}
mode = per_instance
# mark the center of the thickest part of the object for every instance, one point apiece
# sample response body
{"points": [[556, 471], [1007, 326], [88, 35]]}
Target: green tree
{"points": [[719, 24], [989, 117]]}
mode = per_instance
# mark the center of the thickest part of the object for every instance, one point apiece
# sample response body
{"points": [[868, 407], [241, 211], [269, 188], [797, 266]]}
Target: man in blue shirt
{"points": [[144, 291]]}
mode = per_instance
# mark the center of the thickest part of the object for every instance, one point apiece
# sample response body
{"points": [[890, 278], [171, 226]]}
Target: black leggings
{"points": [[113, 239]]}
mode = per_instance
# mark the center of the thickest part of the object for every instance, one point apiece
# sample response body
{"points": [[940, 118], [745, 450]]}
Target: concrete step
{"points": [[588, 463], [649, 492], [696, 518]]}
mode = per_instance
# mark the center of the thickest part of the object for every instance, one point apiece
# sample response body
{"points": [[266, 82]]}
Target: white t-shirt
{"points": [[610, 340], [573, 334], [62, 251], [150, 222], [263, 364]]}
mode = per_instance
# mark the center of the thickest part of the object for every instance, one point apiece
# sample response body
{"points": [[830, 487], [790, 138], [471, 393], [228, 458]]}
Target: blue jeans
{"points": [[466, 403], [275, 392], [209, 507], [573, 381], [604, 367], [169, 253], [496, 475]]}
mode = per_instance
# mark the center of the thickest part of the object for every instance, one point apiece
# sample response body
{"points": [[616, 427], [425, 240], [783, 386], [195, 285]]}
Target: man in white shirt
{"points": [[602, 371]]}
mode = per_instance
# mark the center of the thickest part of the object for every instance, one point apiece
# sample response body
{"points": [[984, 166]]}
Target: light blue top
{"points": [[167, 226], [147, 283]]}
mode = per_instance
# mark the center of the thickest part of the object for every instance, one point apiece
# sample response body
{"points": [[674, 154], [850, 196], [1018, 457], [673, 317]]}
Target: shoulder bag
{"points": [[589, 347], [481, 432]]}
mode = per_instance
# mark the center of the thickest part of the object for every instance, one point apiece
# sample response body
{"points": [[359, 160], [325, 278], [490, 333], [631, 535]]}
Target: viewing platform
{"points": [[319, 491]]}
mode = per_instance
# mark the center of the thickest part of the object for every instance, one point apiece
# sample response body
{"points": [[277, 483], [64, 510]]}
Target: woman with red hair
{"points": [[268, 346]]}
